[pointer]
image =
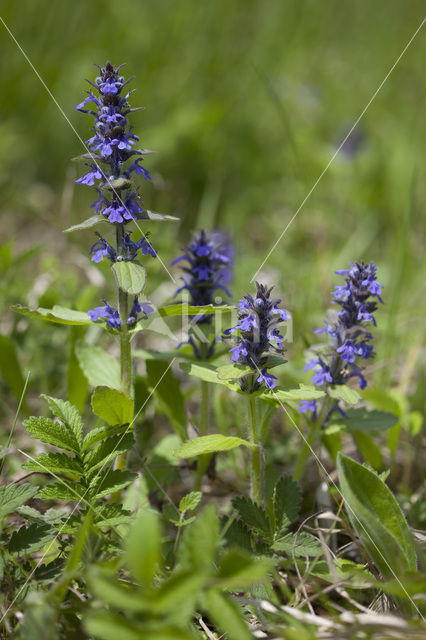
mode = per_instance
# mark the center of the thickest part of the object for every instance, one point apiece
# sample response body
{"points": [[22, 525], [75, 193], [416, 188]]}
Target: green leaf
{"points": [[112, 481], [376, 517], [10, 368], [167, 389], [156, 217], [112, 405], [227, 615], [62, 491], [105, 625], [110, 515], [58, 315], [67, 414], [129, 276], [301, 545], [77, 385], [56, 463], [53, 433], [14, 496], [198, 546], [369, 449], [233, 371], [107, 451], [99, 367], [86, 224], [29, 539], [116, 184], [287, 500], [239, 570], [143, 548], [190, 502], [369, 421], [342, 392], [286, 394], [166, 356], [176, 591], [205, 372], [101, 433], [209, 444], [253, 515], [181, 309]]}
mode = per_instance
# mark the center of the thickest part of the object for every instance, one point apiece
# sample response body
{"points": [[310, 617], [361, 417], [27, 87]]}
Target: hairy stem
{"points": [[125, 351], [203, 461], [257, 470]]}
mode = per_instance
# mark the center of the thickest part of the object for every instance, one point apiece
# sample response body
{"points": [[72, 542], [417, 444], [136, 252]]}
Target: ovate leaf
{"points": [[112, 405], [301, 545], [368, 421], [233, 371], [253, 515], [209, 444], [130, 277], [58, 315], [190, 502], [376, 517], [99, 367], [342, 392], [286, 500], [86, 224]]}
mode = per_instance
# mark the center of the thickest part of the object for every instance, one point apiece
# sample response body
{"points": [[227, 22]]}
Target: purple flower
{"points": [[108, 313], [347, 351], [322, 375], [90, 177], [258, 331], [267, 378], [102, 249], [309, 405]]}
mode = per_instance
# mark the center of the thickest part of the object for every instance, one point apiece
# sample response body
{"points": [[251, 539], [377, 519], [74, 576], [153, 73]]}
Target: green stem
{"points": [[257, 471], [203, 461], [310, 441], [125, 351]]}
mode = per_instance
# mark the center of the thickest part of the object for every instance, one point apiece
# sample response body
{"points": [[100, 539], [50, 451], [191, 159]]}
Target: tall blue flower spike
{"points": [[112, 160], [208, 268], [257, 328], [350, 335]]}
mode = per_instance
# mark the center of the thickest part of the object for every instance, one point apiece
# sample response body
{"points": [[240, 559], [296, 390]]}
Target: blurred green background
{"points": [[246, 102]]}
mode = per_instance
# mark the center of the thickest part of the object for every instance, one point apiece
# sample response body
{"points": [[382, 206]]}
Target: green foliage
{"points": [[143, 551], [130, 277], [166, 388], [14, 496], [367, 421], [209, 444], [345, 393], [57, 315], [112, 405], [99, 367], [10, 367], [376, 517]]}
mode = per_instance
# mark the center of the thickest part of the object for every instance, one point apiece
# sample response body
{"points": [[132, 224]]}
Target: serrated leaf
{"points": [[107, 451], [58, 315], [111, 482], [287, 499], [56, 463], [68, 414], [190, 502], [51, 516], [112, 405], [238, 535], [129, 276], [51, 432], [86, 224], [29, 539], [99, 367], [227, 615], [342, 392], [101, 433], [253, 515], [14, 496], [110, 515], [209, 444], [62, 491], [233, 371], [238, 570], [143, 548], [369, 421], [376, 517], [301, 545], [198, 546]]}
